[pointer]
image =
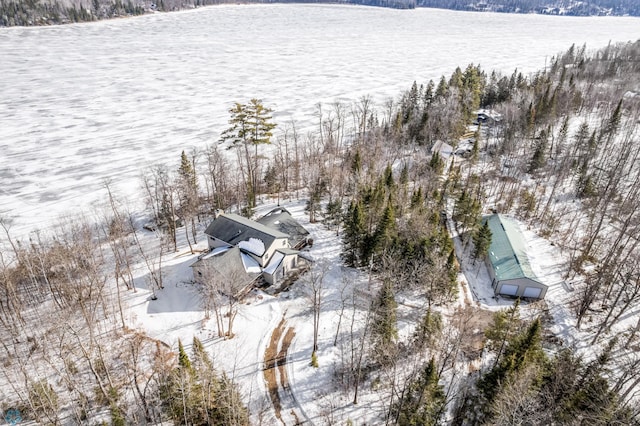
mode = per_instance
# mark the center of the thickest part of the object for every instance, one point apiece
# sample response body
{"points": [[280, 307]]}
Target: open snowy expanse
{"points": [[83, 103]]}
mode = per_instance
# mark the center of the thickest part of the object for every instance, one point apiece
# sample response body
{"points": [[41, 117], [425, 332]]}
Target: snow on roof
{"points": [[249, 263], [443, 149], [276, 260], [216, 251], [253, 246]]}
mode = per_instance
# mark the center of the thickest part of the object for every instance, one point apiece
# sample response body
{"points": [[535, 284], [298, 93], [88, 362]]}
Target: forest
{"points": [[49, 12], [563, 159], [569, 8]]}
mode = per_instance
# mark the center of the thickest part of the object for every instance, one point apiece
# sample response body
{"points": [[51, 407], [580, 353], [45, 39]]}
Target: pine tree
{"points": [[443, 88], [436, 164], [353, 235], [383, 234], [427, 330], [384, 330], [424, 401], [525, 348], [482, 241], [333, 214], [251, 126], [183, 358], [538, 160]]}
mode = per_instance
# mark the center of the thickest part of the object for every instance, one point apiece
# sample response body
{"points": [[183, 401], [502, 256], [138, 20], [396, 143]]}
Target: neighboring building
{"points": [[508, 263], [488, 116], [243, 250], [443, 149]]}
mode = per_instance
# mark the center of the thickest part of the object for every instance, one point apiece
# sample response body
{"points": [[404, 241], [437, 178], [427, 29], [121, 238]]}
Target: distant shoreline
{"points": [[17, 13]]}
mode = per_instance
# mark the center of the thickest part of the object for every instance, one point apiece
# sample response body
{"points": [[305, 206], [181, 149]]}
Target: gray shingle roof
{"points": [[229, 271], [507, 252], [281, 220], [232, 228]]}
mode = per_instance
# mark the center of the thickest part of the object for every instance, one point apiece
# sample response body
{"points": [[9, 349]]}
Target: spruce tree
{"points": [[427, 331], [353, 235], [523, 349], [183, 358], [482, 241], [424, 401], [384, 329]]}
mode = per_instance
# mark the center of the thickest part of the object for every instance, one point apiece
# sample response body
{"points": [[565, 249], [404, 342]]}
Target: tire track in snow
{"points": [[275, 372]]}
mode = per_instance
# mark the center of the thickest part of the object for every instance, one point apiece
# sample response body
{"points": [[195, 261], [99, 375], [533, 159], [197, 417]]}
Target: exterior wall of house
{"points": [[278, 243], [288, 263], [521, 285]]}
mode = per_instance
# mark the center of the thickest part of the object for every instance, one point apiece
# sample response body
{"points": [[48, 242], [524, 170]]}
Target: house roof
{"points": [[276, 260], [279, 219], [233, 269], [508, 252], [232, 228]]}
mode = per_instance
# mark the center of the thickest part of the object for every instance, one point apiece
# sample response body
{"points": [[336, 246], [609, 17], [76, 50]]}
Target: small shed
{"points": [[508, 263]]}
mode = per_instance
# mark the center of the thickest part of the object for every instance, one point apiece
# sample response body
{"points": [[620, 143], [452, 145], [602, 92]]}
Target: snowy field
{"points": [[87, 102]]}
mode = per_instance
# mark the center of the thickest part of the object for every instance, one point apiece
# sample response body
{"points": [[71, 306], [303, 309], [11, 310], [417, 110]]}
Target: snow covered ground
{"points": [[83, 103]]}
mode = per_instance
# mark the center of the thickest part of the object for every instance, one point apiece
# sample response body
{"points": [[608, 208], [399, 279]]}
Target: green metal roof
{"points": [[507, 252]]}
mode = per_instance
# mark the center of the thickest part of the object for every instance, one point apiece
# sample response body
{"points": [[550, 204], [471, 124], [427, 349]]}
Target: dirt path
{"points": [[275, 361]]}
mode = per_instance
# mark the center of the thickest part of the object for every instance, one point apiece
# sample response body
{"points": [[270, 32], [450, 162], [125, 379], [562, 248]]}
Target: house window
{"points": [[199, 273]]}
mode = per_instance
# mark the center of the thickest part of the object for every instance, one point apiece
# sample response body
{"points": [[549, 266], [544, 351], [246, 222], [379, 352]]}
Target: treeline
{"points": [[46, 12], [559, 7]]}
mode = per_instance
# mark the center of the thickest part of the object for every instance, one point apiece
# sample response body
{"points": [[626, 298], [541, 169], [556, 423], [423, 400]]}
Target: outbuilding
{"points": [[508, 263]]}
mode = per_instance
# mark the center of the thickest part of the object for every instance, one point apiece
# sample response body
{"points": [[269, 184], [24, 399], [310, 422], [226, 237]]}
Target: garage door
{"points": [[532, 292], [509, 290]]}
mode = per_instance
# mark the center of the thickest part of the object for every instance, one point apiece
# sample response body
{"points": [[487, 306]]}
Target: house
{"points": [[260, 241], [508, 263], [246, 251], [443, 149], [488, 116]]}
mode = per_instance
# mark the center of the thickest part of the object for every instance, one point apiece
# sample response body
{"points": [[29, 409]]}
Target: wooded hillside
{"points": [[49, 12]]}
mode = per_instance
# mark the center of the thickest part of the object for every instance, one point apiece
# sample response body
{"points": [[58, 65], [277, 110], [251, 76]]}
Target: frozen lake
{"points": [[85, 102]]}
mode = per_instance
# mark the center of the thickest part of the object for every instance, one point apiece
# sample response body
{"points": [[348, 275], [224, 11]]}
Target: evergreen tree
{"points": [[525, 348], [436, 164], [538, 160], [427, 331], [417, 199], [424, 401], [383, 234], [353, 235], [251, 126], [481, 241], [333, 214], [443, 88], [183, 358], [384, 329]]}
